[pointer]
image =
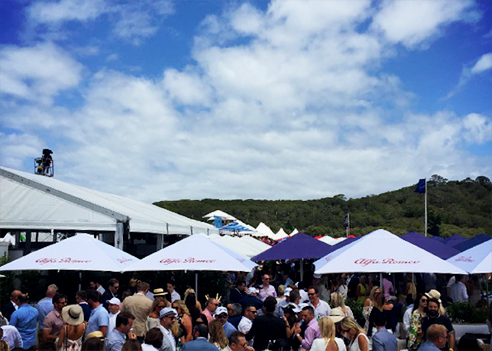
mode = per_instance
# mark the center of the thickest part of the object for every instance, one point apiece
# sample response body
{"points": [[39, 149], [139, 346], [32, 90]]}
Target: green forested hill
{"points": [[454, 207]]}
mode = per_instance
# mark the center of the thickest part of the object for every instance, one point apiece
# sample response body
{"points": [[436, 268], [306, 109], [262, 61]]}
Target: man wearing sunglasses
{"points": [[110, 292], [247, 320], [167, 318]]}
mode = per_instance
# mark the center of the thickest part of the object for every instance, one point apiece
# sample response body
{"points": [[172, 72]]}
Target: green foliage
{"points": [[356, 308], [454, 207], [464, 312]]}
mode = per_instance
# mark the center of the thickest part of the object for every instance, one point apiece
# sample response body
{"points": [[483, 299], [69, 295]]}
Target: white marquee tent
{"points": [[281, 234], [263, 230], [35, 202]]}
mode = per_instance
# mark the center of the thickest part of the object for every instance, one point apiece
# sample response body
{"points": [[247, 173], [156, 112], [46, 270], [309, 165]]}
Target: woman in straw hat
{"points": [[70, 338], [328, 341]]}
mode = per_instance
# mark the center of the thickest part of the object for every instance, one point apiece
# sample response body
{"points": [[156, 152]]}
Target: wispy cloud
{"points": [[133, 20], [484, 63]]}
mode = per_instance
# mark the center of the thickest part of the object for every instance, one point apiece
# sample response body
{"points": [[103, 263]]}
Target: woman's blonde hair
{"points": [[182, 307], [337, 301], [350, 323], [217, 334], [327, 328]]}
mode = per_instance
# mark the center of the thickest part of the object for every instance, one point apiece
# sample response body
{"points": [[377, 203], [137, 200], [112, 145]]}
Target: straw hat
{"points": [[434, 294], [95, 334], [159, 292], [73, 314], [336, 315]]}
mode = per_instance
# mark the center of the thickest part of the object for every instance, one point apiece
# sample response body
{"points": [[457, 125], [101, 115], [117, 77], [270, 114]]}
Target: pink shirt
{"points": [[264, 293]]}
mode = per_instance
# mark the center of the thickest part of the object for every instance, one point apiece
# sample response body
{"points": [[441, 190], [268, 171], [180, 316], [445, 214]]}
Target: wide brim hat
{"points": [[336, 315], [73, 314], [159, 292], [433, 294]]}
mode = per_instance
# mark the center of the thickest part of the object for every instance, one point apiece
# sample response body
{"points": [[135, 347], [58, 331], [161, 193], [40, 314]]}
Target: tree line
{"points": [[454, 207]]}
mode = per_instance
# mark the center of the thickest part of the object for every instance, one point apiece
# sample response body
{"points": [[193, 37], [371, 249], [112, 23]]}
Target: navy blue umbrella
{"points": [[435, 247], [468, 244], [299, 246]]}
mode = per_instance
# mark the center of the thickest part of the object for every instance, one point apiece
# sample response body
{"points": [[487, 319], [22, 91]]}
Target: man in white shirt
{"points": [[172, 292], [247, 321], [114, 310], [321, 308], [457, 291], [11, 336], [167, 317]]}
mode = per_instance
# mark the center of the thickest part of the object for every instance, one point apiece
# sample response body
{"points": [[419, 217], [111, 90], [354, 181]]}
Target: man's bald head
{"points": [[15, 295]]}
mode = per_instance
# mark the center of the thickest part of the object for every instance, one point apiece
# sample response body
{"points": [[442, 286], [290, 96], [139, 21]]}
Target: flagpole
{"points": [[425, 199], [348, 224]]}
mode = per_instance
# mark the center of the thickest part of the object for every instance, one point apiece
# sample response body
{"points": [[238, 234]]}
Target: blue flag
{"points": [[346, 221], [420, 188]]}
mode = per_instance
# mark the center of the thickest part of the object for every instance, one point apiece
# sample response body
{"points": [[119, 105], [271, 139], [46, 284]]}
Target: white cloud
{"points": [[15, 148], [67, 10], [37, 73], [131, 20], [414, 22], [277, 104], [478, 128], [483, 64]]}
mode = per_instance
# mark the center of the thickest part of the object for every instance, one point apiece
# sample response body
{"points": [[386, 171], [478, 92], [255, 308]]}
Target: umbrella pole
{"points": [[196, 283], [486, 290], [381, 282], [80, 280], [302, 269]]}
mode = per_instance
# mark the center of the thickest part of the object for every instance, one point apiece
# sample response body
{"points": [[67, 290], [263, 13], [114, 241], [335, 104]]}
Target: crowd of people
{"points": [[257, 314]]}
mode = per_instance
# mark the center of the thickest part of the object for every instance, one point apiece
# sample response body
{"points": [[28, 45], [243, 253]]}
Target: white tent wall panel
{"points": [[22, 207]]}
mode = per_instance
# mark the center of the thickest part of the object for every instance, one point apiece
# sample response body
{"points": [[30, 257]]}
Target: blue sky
{"points": [[161, 100]]}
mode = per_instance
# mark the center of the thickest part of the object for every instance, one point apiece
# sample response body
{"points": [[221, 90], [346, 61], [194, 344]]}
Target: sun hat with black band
{"points": [[72, 314]]}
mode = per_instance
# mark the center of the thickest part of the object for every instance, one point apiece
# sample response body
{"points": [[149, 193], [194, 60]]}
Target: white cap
{"points": [[114, 301], [220, 310], [253, 290]]}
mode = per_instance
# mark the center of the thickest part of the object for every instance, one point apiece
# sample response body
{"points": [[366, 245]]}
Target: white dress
{"points": [[320, 344], [354, 346]]}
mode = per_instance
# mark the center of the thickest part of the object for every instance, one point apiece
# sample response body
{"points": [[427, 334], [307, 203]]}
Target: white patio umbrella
{"points": [[194, 253], [383, 252], [477, 259], [78, 253]]}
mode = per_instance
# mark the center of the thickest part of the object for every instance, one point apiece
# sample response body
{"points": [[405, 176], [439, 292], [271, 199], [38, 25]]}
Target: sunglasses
{"points": [[222, 316], [171, 317], [311, 294], [254, 312], [116, 287], [424, 300]]}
